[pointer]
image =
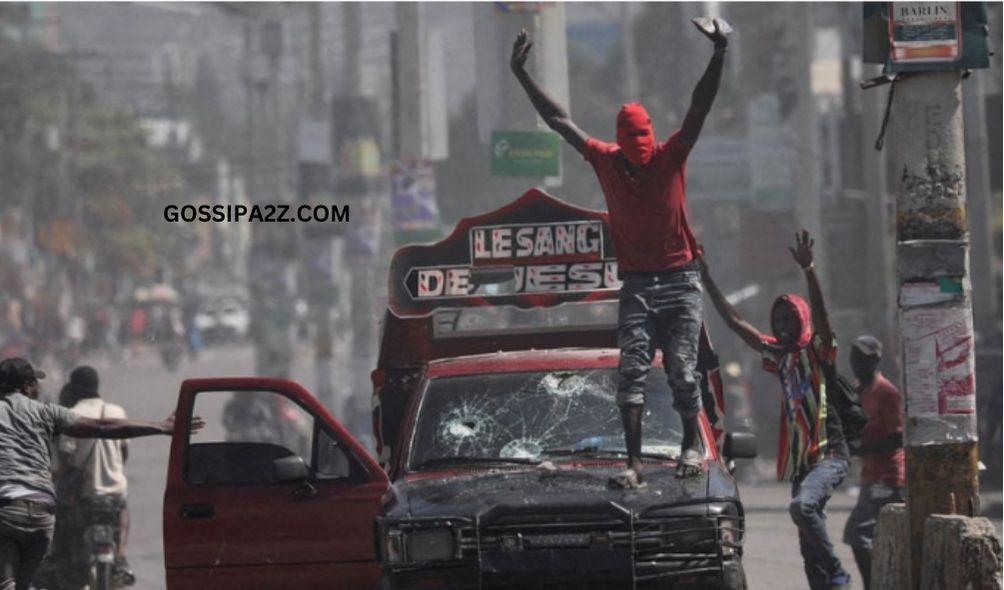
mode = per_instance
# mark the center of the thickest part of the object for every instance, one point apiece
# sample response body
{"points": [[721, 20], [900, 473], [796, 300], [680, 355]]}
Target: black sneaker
{"points": [[121, 573]]}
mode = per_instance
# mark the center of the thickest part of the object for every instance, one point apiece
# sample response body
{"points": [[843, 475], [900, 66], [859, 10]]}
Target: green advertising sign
{"points": [[526, 153]]}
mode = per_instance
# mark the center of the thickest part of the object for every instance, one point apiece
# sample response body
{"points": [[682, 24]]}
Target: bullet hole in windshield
{"points": [[519, 415]]}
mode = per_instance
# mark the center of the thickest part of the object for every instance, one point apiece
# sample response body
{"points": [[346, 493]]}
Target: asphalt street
{"points": [[147, 391]]}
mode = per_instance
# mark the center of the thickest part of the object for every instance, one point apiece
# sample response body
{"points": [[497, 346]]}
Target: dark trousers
{"points": [[859, 532], [809, 495], [662, 310], [24, 537]]}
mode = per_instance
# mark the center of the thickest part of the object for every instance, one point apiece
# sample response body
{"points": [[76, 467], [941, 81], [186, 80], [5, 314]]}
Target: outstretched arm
{"points": [[123, 428], [802, 253], [707, 87], [553, 114], [746, 332]]}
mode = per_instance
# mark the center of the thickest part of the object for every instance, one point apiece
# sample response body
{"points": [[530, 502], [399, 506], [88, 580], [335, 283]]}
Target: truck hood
{"points": [[470, 493]]}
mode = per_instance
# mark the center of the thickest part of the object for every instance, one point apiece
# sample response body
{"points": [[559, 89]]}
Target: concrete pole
{"points": [[351, 34], [630, 61], [321, 310], [935, 309], [411, 77], [805, 177]]}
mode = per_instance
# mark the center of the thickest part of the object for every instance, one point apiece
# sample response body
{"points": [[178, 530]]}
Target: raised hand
{"points": [[520, 51], [714, 28], [802, 252]]}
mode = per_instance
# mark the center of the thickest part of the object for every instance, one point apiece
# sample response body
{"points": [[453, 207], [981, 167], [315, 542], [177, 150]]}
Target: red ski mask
{"points": [[634, 133]]}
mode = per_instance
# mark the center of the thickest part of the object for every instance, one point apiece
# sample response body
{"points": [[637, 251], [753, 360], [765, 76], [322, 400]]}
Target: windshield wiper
{"points": [[596, 451], [440, 461]]}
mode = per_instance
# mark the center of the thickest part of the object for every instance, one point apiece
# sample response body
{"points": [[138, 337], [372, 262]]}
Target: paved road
{"points": [[146, 390]]}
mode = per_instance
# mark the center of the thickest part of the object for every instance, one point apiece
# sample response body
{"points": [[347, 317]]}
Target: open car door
{"points": [[273, 493]]}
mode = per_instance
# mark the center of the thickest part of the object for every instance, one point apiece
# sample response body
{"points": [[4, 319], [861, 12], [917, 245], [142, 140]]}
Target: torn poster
{"points": [[939, 361]]}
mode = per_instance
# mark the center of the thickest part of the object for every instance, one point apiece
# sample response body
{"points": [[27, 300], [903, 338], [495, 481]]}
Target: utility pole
{"points": [[318, 249], [630, 61], [936, 325], [805, 177]]}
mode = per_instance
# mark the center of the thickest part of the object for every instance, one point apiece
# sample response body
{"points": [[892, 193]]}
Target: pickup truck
{"points": [[497, 433]]}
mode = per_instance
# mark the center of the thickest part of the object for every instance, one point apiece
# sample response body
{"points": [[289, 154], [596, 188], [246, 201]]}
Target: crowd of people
{"points": [[44, 446]]}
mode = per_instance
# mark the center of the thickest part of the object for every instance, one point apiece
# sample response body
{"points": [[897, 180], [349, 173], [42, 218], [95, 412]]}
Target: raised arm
{"points": [[746, 332], [802, 253], [553, 114], [707, 87], [123, 428]]}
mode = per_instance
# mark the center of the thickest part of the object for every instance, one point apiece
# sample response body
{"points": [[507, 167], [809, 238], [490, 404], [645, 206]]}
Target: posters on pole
{"points": [[414, 210], [939, 361], [924, 32], [926, 36], [314, 141]]}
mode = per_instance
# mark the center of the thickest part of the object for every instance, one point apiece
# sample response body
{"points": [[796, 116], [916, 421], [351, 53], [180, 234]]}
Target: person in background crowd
{"points": [[883, 471], [101, 461], [27, 495], [812, 451]]}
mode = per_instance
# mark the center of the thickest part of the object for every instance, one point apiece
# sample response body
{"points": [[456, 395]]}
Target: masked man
{"points": [[644, 182]]}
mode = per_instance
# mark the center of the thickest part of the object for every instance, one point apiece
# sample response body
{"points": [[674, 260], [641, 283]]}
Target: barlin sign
{"points": [[925, 36]]}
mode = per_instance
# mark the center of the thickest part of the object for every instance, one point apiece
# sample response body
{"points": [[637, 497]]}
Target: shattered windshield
{"points": [[537, 415]]}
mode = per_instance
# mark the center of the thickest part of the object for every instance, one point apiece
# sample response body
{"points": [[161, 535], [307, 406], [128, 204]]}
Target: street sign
{"points": [[719, 169], [526, 153], [926, 36], [925, 32], [772, 183]]}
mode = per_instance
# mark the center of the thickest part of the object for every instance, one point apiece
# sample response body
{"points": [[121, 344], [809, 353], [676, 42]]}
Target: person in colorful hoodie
{"points": [[812, 451]]}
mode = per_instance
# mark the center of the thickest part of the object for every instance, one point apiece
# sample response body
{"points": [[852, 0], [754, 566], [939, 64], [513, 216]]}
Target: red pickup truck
{"points": [[497, 427]]}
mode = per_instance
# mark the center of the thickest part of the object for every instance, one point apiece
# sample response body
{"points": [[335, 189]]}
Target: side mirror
{"points": [[739, 445], [289, 469]]}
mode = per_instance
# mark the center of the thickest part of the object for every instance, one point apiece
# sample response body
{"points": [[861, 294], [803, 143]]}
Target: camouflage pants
{"points": [[663, 310]]}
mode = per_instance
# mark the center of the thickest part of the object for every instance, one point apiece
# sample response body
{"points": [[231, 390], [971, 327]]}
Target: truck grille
{"points": [[656, 547]]}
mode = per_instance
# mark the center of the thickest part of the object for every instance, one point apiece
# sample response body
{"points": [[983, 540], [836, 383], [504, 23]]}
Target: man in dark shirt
{"points": [[27, 496], [883, 468], [812, 451], [660, 301]]}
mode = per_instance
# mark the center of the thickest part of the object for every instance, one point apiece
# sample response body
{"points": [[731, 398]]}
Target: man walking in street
{"points": [[883, 470], [660, 301], [100, 464], [812, 451], [27, 496]]}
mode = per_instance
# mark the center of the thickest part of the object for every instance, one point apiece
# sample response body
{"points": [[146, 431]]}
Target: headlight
{"points": [[393, 546], [418, 545], [430, 545], [730, 532]]}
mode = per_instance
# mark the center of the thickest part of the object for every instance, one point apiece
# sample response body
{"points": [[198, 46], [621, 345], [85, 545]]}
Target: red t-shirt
{"points": [[648, 216], [884, 406]]}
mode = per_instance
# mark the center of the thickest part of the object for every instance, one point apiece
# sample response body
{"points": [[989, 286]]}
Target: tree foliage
{"points": [[82, 170]]}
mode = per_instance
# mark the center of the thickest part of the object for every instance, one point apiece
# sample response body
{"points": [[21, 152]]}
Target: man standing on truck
{"points": [[660, 300], [812, 451], [27, 496]]}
